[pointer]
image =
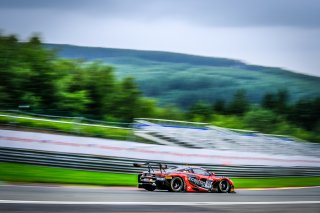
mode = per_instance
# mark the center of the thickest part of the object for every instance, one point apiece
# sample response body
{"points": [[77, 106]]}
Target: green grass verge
{"points": [[14, 172], [276, 182]]}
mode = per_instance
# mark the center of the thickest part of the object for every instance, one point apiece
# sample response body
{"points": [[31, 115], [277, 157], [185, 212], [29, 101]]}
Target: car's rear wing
{"points": [[150, 165]]}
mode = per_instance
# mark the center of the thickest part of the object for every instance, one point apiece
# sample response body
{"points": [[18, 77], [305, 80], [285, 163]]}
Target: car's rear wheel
{"points": [[177, 184], [149, 188], [224, 186]]}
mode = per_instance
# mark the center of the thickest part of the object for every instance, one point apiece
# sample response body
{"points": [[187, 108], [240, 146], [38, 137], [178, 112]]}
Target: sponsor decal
{"points": [[203, 184]]}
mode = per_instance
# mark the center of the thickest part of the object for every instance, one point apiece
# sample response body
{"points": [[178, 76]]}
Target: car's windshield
{"points": [[200, 171]]}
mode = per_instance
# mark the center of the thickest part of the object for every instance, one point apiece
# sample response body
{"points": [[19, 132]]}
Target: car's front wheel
{"points": [[224, 186], [177, 184]]}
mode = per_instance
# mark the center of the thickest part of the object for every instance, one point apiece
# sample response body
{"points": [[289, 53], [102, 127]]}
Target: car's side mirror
{"points": [[212, 174]]}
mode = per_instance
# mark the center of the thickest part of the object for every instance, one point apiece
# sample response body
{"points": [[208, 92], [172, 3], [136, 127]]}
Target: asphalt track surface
{"points": [[47, 198]]}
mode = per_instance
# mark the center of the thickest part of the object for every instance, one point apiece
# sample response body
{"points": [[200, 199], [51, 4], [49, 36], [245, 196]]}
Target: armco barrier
{"points": [[124, 165]]}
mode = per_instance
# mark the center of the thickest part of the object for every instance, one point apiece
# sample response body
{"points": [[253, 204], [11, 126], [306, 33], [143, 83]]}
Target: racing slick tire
{"points": [[149, 188], [177, 185], [224, 186]]}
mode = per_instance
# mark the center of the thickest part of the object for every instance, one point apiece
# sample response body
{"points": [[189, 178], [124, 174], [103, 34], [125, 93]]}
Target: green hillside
{"points": [[183, 79]]}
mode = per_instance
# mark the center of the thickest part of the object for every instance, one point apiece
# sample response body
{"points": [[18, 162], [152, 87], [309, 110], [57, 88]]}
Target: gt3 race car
{"points": [[182, 179]]}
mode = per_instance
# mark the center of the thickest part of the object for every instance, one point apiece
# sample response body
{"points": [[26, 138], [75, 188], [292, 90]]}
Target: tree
{"points": [[126, 102], [306, 113], [10, 90], [219, 106], [282, 101], [146, 108], [100, 84], [269, 101], [261, 120], [239, 103], [278, 102], [170, 112], [200, 112], [26, 72], [75, 102], [42, 78]]}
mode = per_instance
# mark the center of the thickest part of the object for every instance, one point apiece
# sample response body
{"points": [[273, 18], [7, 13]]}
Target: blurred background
{"points": [[107, 83]]}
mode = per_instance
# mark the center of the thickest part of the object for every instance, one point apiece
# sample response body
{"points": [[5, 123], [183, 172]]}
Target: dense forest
{"points": [[186, 79], [34, 76]]}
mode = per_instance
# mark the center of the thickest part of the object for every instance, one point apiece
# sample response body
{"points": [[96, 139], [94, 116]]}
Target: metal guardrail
{"points": [[124, 165]]}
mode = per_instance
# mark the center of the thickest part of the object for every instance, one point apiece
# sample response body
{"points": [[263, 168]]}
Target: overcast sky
{"points": [[281, 33]]}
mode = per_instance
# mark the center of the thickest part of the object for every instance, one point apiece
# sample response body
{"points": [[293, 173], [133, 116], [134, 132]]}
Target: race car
{"points": [[182, 179]]}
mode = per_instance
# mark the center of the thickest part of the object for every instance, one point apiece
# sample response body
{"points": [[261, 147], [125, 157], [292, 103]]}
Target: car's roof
{"points": [[185, 167]]}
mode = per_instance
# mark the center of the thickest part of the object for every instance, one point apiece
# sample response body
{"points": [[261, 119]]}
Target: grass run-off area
{"points": [[66, 126], [25, 173]]}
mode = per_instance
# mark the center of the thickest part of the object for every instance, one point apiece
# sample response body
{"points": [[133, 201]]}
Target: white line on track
{"points": [[156, 203], [279, 188], [133, 188]]}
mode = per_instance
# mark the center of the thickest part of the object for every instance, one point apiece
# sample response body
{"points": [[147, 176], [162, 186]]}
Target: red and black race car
{"points": [[182, 179]]}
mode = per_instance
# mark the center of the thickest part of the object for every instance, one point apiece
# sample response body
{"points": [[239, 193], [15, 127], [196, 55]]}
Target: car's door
{"points": [[203, 177]]}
